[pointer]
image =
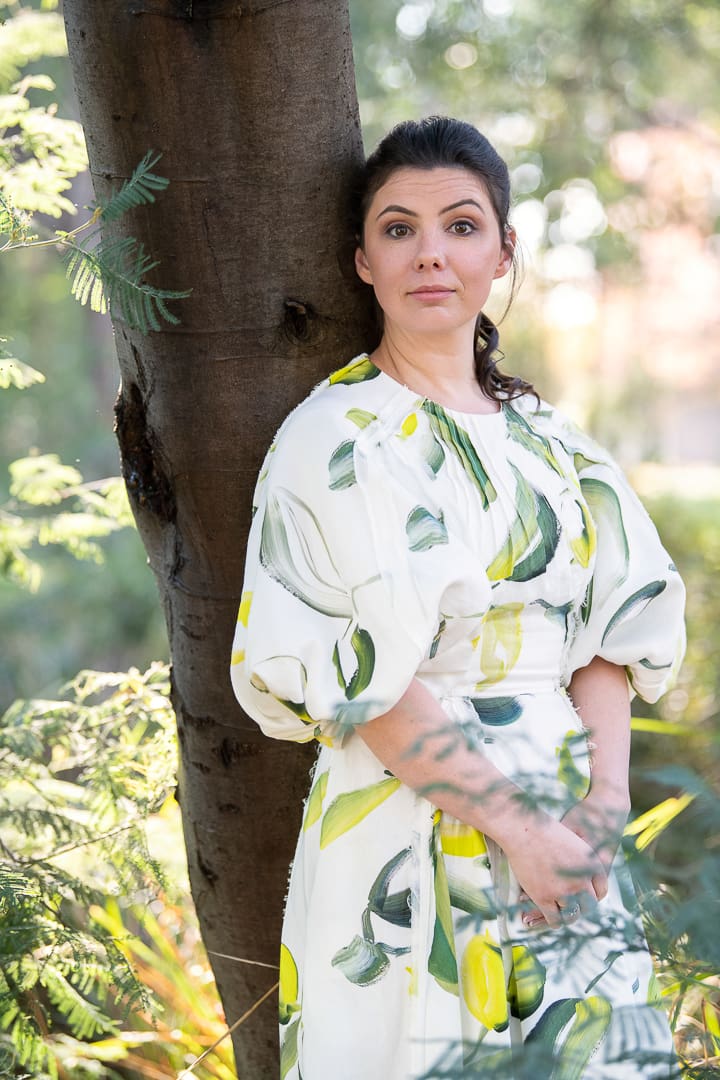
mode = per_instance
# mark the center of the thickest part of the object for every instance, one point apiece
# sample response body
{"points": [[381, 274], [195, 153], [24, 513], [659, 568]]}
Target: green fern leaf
{"points": [[111, 277], [137, 191]]}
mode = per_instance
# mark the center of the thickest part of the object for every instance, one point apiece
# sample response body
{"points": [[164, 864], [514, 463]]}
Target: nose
{"points": [[429, 254]]}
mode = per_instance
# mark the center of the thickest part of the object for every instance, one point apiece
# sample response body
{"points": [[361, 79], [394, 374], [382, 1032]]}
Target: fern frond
{"points": [[13, 888], [137, 191], [60, 968], [84, 1017], [110, 277]]}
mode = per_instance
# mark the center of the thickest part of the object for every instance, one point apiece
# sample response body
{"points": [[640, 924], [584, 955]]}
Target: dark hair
{"points": [[441, 142]]}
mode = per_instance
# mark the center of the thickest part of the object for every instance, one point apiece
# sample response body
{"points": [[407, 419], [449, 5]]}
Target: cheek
{"points": [[383, 270]]}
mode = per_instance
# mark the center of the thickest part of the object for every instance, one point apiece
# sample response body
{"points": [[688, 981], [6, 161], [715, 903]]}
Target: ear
{"points": [[506, 255], [362, 267]]}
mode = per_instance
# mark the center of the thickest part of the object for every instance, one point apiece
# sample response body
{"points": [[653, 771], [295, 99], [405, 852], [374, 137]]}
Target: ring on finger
{"points": [[570, 914]]}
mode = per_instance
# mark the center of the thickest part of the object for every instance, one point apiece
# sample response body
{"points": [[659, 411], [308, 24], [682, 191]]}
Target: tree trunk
{"points": [[253, 107]]}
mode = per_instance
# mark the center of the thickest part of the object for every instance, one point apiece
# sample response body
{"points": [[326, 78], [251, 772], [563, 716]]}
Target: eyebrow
{"points": [[395, 209]]}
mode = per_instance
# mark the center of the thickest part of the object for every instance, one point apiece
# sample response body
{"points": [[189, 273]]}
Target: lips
{"points": [[430, 291]]}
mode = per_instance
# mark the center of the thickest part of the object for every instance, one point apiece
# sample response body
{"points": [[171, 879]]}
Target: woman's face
{"points": [[432, 248]]}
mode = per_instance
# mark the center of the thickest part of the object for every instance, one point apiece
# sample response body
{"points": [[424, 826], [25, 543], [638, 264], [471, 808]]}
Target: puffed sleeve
{"points": [[326, 637], [633, 614]]}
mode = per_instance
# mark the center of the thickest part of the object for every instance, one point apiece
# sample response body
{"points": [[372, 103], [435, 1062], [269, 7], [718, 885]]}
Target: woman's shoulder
{"points": [[348, 399]]}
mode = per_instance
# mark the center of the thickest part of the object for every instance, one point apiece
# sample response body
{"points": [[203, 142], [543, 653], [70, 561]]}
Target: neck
{"points": [[442, 368]]}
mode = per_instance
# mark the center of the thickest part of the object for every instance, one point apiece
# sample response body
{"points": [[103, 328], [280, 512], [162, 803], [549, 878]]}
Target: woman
{"points": [[446, 585]]}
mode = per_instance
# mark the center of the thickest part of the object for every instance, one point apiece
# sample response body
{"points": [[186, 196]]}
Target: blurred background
{"points": [[609, 118]]}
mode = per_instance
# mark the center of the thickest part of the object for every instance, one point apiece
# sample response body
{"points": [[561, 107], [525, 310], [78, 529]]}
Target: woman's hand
{"points": [[599, 820], [556, 869]]}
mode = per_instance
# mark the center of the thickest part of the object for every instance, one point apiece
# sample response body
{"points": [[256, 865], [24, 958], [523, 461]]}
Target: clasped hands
{"points": [[562, 866]]}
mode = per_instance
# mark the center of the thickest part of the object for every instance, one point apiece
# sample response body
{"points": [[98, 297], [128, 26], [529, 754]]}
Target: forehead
{"points": [[438, 186]]}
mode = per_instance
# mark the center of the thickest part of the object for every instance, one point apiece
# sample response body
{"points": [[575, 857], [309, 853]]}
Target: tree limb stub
{"points": [[148, 486]]}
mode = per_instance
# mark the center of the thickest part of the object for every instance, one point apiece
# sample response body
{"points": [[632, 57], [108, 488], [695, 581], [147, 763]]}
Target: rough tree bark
{"points": [[253, 107]]}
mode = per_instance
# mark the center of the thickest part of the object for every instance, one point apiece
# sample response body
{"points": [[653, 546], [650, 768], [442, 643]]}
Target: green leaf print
{"points": [[298, 708], [341, 467], [521, 431], [500, 642], [521, 534], [442, 961], [568, 773], [294, 553], [364, 649], [470, 898], [537, 560], [351, 807], [639, 599], [424, 530], [526, 985], [497, 711], [586, 606], [583, 546], [606, 511], [433, 453], [424, 441], [289, 1049], [313, 808], [590, 1020], [362, 961], [357, 371], [442, 625], [392, 907], [457, 439], [581, 462], [360, 417], [557, 613], [556, 1017], [654, 667]]}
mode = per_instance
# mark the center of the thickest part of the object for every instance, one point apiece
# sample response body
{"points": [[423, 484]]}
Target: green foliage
{"points": [[40, 153], [111, 277], [690, 529], [93, 511], [110, 273], [79, 773], [14, 372], [138, 191]]}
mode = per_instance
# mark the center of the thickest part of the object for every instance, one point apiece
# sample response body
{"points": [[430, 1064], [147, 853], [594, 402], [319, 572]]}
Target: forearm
{"points": [[599, 693], [417, 742]]}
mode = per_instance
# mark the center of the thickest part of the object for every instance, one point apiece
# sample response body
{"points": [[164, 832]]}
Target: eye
{"points": [[398, 231], [462, 228]]}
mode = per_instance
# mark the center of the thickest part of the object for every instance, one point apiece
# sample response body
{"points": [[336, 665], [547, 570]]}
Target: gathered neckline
{"points": [[417, 396]]}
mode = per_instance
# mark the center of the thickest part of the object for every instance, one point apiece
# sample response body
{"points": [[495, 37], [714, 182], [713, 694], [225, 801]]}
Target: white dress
{"points": [[489, 556]]}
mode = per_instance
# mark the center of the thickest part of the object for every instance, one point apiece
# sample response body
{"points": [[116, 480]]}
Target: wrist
{"points": [[517, 830], [609, 793]]}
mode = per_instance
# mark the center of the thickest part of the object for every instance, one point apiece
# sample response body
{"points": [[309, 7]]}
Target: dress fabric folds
{"points": [[489, 556]]}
